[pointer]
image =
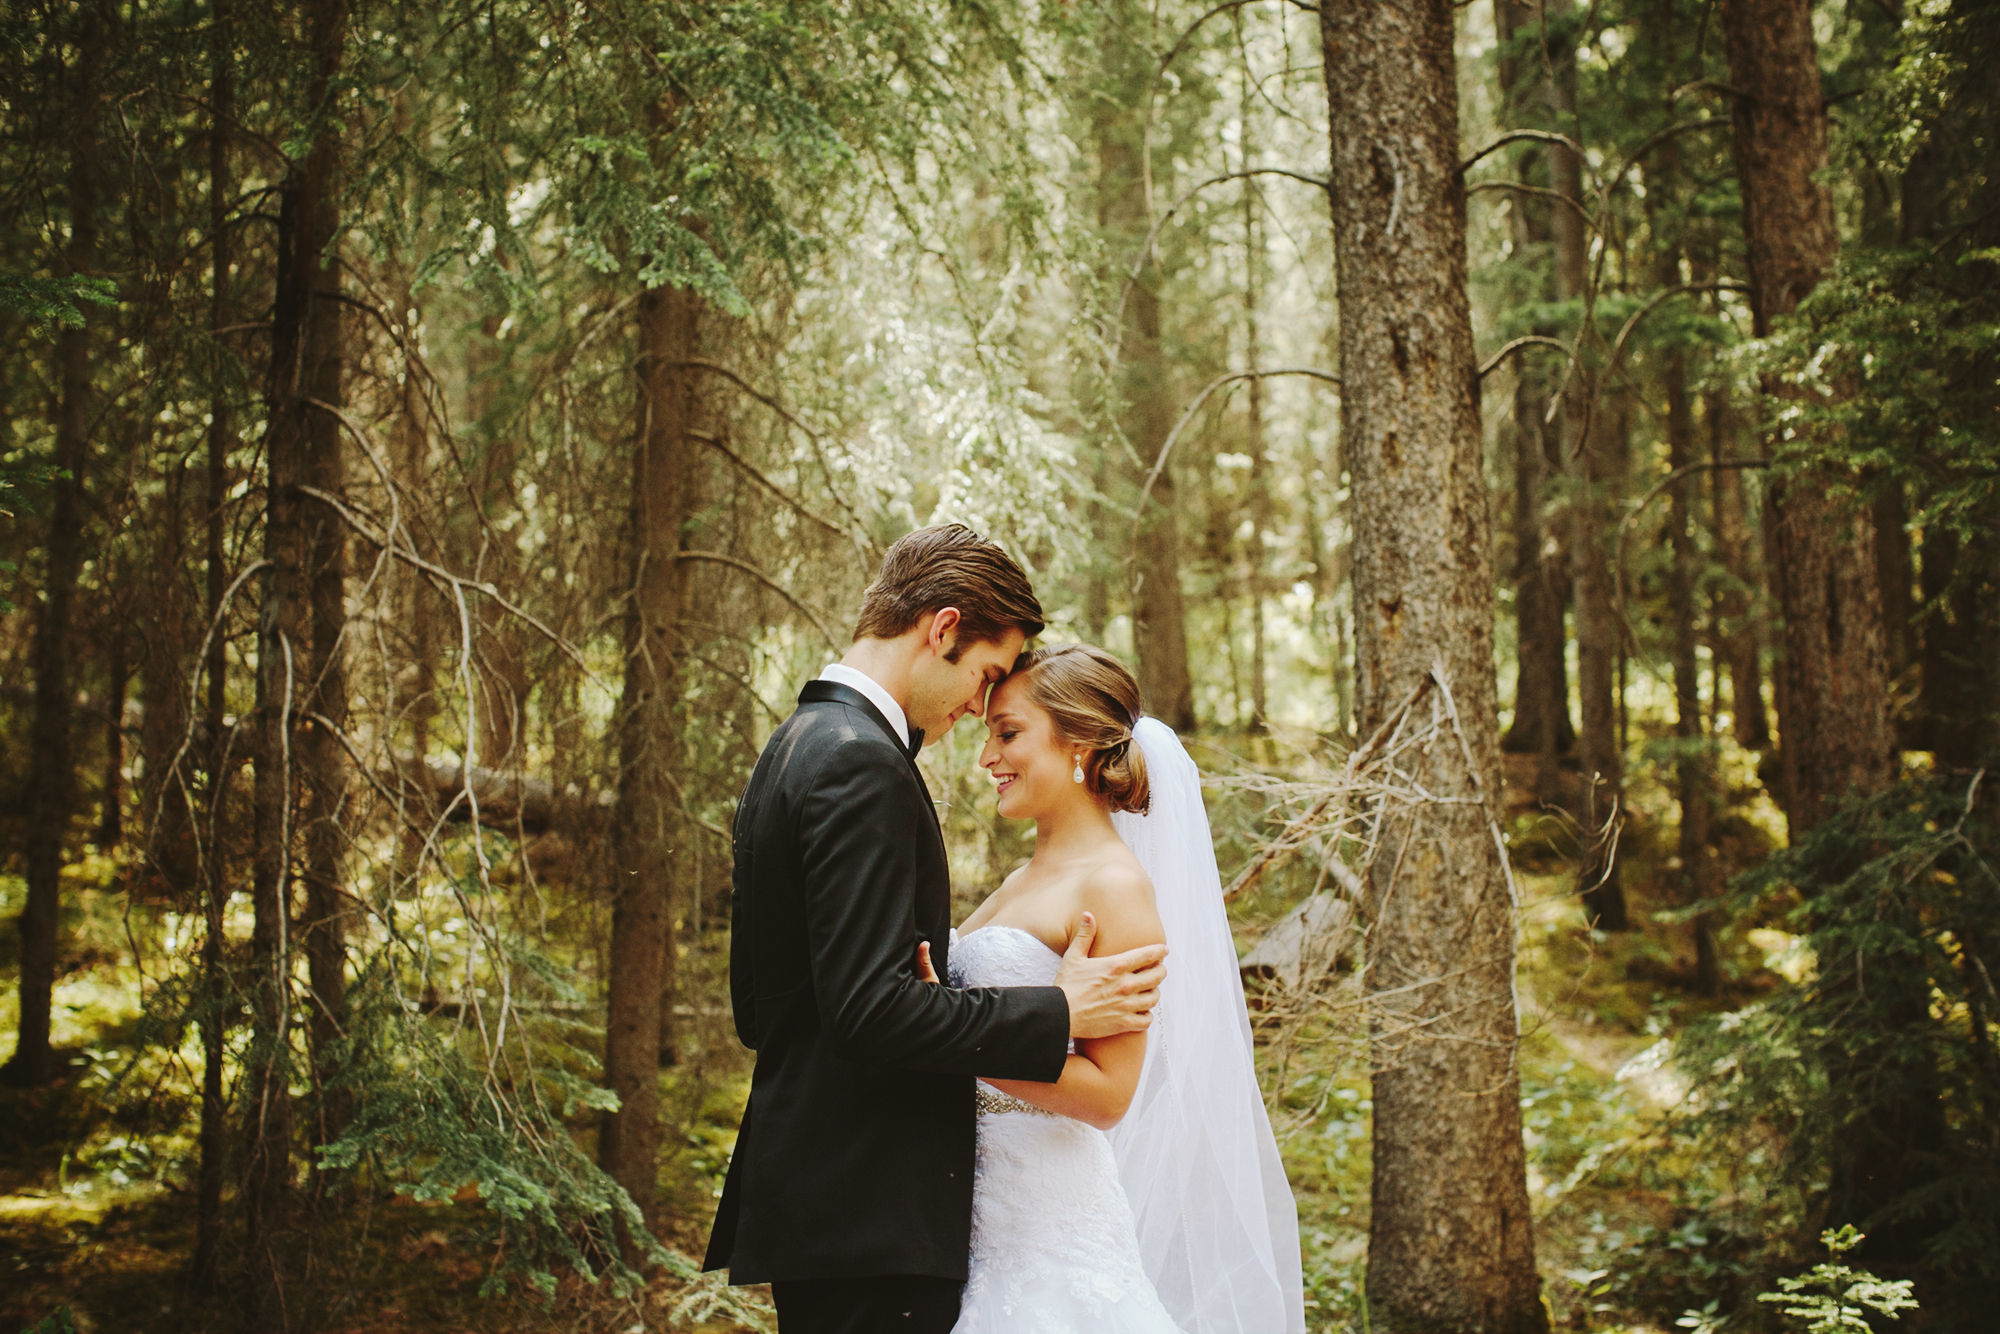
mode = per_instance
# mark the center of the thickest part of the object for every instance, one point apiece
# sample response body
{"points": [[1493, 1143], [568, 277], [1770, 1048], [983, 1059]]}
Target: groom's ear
{"points": [[943, 634]]}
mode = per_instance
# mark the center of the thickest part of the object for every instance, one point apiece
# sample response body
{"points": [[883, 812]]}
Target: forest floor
{"points": [[97, 1209]]}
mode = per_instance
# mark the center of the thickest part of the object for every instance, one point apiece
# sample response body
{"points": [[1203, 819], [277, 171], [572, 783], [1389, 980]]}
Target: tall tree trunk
{"points": [[322, 760], [166, 810], [1255, 561], [1736, 624], [1541, 725], [52, 796], [1693, 772], [118, 683], [638, 1020], [1585, 450], [1836, 727], [1324, 582], [280, 661], [1451, 1245], [502, 679], [1953, 702], [1143, 388], [1595, 474], [1895, 576], [1260, 493], [1834, 722], [297, 628], [215, 884]]}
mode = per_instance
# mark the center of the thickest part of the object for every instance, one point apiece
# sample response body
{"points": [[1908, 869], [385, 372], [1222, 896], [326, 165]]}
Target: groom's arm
{"points": [[859, 830]]}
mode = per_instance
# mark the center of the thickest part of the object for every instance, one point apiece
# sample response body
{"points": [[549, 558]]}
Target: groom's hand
{"points": [[1112, 995]]}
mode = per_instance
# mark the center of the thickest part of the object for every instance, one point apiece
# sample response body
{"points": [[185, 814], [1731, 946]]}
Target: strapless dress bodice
{"points": [[1002, 956]]}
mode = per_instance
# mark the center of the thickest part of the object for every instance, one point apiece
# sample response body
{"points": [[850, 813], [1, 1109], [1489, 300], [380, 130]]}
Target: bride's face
{"points": [[1028, 760]]}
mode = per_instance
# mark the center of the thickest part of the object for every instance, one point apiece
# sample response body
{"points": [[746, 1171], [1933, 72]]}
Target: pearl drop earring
{"points": [[1076, 774]]}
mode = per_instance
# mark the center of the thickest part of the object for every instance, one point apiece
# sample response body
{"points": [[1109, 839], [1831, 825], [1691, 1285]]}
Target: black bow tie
{"points": [[916, 742]]}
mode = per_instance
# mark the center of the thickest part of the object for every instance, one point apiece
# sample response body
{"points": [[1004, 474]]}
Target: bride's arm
{"points": [[1099, 1079]]}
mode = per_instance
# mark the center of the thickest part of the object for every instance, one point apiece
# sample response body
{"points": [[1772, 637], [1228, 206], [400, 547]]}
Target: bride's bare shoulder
{"points": [[1120, 894]]}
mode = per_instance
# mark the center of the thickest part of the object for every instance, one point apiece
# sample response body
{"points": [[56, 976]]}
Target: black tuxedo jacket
{"points": [[855, 1156]]}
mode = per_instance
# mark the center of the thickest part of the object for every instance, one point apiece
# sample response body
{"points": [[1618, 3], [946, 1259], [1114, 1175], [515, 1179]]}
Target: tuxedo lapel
{"points": [[833, 692]]}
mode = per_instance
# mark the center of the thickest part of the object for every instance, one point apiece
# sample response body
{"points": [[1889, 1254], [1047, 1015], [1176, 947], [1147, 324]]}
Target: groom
{"points": [[850, 1191]]}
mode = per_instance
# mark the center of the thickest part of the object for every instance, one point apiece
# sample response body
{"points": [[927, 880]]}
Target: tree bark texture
{"points": [[297, 793], [1451, 1244], [52, 796], [1835, 729], [1143, 387], [646, 818]]}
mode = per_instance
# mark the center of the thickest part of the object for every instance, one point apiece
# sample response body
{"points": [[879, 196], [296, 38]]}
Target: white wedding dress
{"points": [[1179, 1220], [1054, 1246]]}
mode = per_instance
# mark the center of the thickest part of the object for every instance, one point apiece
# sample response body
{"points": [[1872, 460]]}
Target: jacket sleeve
{"points": [[742, 938], [859, 824]]}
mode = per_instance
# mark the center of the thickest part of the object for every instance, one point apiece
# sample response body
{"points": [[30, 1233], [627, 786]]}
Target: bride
{"points": [[1141, 1194]]}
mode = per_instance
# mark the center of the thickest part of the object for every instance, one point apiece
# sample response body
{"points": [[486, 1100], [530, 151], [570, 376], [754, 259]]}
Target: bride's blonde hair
{"points": [[1095, 704]]}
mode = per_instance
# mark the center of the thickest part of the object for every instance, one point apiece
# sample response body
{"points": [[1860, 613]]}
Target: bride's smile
{"points": [[1030, 769]]}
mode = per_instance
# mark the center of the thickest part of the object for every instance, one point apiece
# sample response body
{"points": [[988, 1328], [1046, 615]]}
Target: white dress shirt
{"points": [[876, 695]]}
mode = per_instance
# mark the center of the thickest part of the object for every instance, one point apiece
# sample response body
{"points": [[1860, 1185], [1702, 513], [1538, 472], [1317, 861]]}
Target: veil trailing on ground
{"points": [[1218, 1231]]}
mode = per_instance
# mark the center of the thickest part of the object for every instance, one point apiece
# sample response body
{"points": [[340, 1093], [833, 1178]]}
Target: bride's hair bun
{"points": [[1095, 704]]}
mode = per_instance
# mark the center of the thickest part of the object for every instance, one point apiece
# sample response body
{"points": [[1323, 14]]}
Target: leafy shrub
{"points": [[1875, 1074]]}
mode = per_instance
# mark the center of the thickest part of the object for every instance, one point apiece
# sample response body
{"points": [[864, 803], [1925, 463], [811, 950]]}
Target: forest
{"points": [[1543, 457]]}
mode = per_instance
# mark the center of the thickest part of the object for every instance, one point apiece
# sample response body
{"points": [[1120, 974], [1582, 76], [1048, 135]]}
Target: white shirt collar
{"points": [[841, 673]]}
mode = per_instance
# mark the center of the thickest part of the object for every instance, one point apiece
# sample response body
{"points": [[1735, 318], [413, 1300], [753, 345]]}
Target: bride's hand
{"points": [[925, 973]]}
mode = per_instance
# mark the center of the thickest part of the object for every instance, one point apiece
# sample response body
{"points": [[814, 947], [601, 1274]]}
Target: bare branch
{"points": [[1518, 136], [717, 558], [1153, 233], [1653, 141], [1538, 192], [859, 534], [1166, 447], [1654, 303], [1492, 363], [438, 572], [751, 470], [1223, 8]]}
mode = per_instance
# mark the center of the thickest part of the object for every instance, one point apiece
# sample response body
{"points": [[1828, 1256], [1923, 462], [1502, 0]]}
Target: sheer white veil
{"points": [[1218, 1231]]}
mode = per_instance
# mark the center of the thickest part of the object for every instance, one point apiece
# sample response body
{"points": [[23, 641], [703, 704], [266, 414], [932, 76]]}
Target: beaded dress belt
{"points": [[992, 1101]]}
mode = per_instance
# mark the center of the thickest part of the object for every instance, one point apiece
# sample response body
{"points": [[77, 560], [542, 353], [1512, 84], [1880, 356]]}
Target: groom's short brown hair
{"points": [[949, 565]]}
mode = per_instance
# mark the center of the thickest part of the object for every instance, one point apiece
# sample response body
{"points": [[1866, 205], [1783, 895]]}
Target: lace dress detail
{"points": [[1054, 1249]]}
